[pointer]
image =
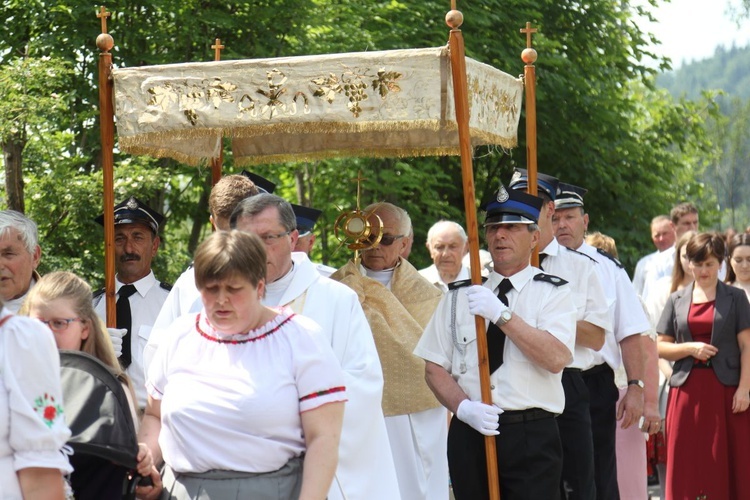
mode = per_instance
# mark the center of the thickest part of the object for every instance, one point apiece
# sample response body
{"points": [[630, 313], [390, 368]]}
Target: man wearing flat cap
{"points": [[139, 294], [593, 318], [624, 345], [530, 339]]}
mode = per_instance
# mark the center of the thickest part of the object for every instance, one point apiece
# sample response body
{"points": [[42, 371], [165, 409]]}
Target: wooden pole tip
{"points": [[105, 42], [528, 56], [454, 19]]}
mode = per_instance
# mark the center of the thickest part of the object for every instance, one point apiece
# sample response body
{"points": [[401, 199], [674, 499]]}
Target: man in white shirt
{"points": [[592, 319], [139, 294], [629, 321], [447, 244], [365, 470], [20, 254], [530, 339], [663, 237], [685, 218]]}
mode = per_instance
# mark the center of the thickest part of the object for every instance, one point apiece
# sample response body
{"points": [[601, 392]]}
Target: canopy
{"points": [[374, 104]]}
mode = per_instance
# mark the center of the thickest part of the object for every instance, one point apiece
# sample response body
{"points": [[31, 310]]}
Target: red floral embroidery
{"points": [[48, 409], [50, 412]]}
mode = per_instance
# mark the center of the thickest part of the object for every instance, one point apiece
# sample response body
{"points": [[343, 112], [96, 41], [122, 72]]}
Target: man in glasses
{"points": [[398, 303], [365, 469]]}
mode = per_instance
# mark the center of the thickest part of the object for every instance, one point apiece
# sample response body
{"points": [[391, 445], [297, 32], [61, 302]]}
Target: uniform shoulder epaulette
{"points": [[610, 257], [98, 293], [462, 283], [550, 278], [583, 254], [166, 286]]}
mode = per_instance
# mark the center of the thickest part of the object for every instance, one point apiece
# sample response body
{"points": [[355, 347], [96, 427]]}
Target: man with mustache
{"points": [[140, 295]]}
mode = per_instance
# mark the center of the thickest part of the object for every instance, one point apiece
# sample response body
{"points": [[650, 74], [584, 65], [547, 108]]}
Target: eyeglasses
{"points": [[387, 239], [270, 239], [60, 324]]}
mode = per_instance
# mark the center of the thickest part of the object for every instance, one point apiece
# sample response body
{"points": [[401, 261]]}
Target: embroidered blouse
{"points": [[233, 402], [32, 426]]}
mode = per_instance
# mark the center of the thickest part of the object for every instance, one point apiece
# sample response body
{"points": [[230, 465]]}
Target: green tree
{"points": [[601, 123]]}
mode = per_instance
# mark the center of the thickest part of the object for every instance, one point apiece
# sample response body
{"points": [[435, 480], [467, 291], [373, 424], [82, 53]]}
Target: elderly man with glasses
{"points": [[365, 469], [398, 303]]}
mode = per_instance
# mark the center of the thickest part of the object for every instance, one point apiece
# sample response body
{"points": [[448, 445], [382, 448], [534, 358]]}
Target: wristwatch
{"points": [[639, 383], [504, 317]]}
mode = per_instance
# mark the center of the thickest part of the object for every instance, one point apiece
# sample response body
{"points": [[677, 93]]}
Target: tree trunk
{"points": [[13, 155]]}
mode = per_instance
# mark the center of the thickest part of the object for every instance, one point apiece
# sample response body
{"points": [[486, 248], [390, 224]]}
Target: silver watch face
{"points": [[505, 316]]}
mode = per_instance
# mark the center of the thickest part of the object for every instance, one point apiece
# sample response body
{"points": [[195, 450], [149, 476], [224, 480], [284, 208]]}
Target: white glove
{"points": [[482, 417], [484, 303], [115, 335]]}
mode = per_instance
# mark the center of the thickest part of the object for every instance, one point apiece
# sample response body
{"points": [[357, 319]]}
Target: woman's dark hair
{"points": [[738, 240], [704, 246]]}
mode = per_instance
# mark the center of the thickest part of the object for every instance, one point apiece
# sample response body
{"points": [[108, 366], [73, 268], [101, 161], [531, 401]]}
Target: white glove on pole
{"points": [[484, 303], [115, 335], [481, 417]]}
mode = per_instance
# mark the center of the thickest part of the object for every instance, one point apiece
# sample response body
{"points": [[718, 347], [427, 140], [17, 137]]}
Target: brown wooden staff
{"points": [[105, 42], [454, 19], [529, 78], [216, 163]]}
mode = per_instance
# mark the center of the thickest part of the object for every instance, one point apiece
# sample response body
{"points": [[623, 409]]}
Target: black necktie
{"points": [[495, 336], [542, 256], [124, 320]]}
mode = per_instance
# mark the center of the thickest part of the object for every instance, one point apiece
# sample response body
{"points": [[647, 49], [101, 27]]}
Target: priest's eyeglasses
{"points": [[60, 324], [387, 239], [270, 239]]}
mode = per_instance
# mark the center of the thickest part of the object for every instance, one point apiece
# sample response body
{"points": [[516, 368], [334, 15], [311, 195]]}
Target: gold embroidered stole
{"points": [[397, 318]]}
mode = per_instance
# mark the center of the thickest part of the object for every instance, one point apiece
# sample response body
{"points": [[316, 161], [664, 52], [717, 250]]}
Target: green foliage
{"points": [[601, 124]]}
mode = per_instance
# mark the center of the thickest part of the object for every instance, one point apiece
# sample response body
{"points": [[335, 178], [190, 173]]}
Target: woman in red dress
{"points": [[705, 330]]}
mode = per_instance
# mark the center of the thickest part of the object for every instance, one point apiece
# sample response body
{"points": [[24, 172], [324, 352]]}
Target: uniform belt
{"points": [[596, 369], [518, 416], [571, 370]]}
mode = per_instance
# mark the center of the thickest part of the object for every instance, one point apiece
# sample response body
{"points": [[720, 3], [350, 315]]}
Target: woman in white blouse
{"points": [[245, 401], [32, 426]]}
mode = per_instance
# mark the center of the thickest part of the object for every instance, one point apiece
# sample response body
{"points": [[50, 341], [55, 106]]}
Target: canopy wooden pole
{"points": [[454, 19], [217, 163], [107, 125], [529, 77]]}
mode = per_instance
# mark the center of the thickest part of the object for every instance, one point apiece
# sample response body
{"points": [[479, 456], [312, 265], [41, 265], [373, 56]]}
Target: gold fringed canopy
{"points": [[374, 104]]}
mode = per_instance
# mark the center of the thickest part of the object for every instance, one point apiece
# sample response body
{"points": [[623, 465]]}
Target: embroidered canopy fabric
{"points": [[377, 104]]}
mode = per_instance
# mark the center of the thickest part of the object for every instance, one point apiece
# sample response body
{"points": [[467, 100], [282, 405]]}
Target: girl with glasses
{"points": [[63, 302]]}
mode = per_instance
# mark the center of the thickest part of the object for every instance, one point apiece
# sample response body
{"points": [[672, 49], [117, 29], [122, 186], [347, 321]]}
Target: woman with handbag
{"points": [[705, 330]]}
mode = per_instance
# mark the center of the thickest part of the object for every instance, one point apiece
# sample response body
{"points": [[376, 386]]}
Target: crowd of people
{"points": [[261, 374]]}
